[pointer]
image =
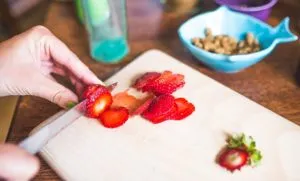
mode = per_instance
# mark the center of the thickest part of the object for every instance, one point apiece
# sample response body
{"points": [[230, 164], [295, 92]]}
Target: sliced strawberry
{"points": [[143, 107], [97, 103], [168, 116], [233, 159], [160, 83], [184, 109], [145, 79], [123, 99], [114, 117], [160, 108], [167, 83], [91, 89]]}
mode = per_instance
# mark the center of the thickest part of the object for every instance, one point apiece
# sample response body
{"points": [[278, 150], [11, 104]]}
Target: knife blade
{"points": [[37, 140]]}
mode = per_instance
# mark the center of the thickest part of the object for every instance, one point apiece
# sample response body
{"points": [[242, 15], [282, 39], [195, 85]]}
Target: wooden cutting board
{"points": [[176, 150]]}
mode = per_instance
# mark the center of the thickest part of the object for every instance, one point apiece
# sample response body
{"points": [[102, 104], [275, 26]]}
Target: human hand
{"points": [[16, 164], [27, 61]]}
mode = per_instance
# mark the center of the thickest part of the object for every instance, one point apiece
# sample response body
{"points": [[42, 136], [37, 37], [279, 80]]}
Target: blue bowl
{"points": [[225, 21]]}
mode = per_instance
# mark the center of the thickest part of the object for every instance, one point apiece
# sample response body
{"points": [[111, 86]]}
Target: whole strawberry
{"points": [[240, 151]]}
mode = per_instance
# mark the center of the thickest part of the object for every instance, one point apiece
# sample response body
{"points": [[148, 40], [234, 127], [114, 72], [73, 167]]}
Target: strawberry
{"points": [[91, 89], [160, 108], [233, 159], [184, 109], [97, 103], [123, 99], [167, 83], [240, 151], [143, 107], [160, 83], [145, 80], [114, 117]]}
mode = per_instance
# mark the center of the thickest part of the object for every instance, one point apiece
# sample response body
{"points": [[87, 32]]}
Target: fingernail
{"points": [[70, 105]]}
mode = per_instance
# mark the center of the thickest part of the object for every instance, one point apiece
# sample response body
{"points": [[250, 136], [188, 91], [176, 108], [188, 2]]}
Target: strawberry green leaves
{"points": [[248, 144], [243, 148]]}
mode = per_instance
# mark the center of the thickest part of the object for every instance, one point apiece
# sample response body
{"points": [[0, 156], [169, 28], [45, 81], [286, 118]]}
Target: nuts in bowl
{"points": [[227, 45]]}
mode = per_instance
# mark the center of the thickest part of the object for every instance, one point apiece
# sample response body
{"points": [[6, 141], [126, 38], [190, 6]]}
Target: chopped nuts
{"points": [[224, 44]]}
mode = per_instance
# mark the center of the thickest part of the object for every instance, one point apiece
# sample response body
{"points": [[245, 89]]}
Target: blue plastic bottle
{"points": [[105, 21]]}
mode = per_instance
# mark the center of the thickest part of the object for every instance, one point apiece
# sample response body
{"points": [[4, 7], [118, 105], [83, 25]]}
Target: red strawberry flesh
{"points": [[167, 83], [184, 109], [233, 159], [97, 103], [114, 117], [123, 99], [143, 107], [160, 83], [160, 108], [92, 89], [145, 79]]}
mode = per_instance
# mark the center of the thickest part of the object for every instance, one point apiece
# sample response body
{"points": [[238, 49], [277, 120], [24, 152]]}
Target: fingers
{"points": [[17, 164], [75, 81], [79, 86], [51, 90], [62, 55]]}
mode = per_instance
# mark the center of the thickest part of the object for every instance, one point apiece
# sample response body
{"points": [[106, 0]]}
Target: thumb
{"points": [[51, 90], [17, 164]]}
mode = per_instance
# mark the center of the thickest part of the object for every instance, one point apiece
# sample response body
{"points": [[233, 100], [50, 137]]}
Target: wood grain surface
{"points": [[270, 83]]}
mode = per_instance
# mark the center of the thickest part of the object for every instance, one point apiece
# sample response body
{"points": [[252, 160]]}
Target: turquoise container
{"points": [[105, 22]]}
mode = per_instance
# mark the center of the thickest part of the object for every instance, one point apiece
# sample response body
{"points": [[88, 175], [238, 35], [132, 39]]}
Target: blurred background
{"points": [[19, 15]]}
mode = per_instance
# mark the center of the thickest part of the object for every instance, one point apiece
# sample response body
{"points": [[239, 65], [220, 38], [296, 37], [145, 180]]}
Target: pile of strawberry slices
{"points": [[160, 105], [164, 106]]}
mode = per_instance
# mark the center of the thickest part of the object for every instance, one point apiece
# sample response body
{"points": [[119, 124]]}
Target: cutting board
{"points": [[176, 150]]}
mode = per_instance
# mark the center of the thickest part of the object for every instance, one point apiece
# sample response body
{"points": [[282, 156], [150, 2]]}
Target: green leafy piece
{"points": [[248, 144], [255, 158], [70, 105]]}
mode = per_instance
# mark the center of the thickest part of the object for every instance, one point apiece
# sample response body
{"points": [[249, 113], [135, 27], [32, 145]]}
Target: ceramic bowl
{"points": [[225, 21]]}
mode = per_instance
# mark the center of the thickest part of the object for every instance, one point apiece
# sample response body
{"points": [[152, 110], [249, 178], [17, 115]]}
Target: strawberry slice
{"points": [[97, 103], [142, 108], [160, 108], [91, 89], [114, 117], [168, 116], [160, 83], [233, 159], [167, 83], [123, 99], [184, 109], [145, 80]]}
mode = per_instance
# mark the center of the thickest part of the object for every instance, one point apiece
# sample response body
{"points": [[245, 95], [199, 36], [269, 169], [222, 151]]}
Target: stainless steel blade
{"points": [[36, 141]]}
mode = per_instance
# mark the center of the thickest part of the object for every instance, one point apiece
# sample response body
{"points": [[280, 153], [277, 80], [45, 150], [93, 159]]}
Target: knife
{"points": [[37, 140]]}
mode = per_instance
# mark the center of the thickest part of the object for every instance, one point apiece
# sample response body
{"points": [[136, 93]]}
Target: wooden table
{"points": [[271, 82]]}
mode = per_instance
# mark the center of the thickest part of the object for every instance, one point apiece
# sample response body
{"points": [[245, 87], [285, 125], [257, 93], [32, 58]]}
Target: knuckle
{"points": [[40, 30], [59, 96]]}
